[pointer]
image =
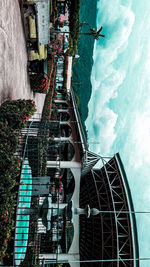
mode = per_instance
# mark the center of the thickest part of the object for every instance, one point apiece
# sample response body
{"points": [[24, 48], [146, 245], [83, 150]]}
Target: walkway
{"points": [[14, 82]]}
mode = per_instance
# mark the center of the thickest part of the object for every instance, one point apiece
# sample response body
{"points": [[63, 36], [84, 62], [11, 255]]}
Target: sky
{"points": [[119, 108]]}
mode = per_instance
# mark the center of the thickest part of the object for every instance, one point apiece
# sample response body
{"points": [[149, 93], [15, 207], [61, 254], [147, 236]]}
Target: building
{"points": [[61, 5], [64, 73], [58, 153]]}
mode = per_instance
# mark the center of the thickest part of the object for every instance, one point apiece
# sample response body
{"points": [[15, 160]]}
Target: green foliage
{"points": [[13, 117], [77, 99], [15, 113], [74, 26]]}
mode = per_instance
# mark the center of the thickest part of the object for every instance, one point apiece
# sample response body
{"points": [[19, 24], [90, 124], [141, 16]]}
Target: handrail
{"points": [[81, 131], [27, 140]]}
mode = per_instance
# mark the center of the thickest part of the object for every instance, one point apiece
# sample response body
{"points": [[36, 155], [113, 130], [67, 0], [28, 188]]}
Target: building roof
{"points": [[111, 235], [131, 208]]}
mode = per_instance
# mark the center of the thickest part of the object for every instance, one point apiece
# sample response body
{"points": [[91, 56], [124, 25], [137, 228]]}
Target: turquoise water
{"points": [[22, 224]]}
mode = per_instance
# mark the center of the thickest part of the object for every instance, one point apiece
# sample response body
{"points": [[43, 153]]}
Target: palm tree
{"points": [[96, 34]]}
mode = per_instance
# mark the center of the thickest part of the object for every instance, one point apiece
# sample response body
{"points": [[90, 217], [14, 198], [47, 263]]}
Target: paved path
{"points": [[14, 81]]}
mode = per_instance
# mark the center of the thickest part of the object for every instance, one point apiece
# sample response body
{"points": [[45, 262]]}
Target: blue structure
{"points": [[22, 220]]}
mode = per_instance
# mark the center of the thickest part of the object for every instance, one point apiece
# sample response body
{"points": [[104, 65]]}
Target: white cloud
{"points": [[118, 19], [147, 58], [146, 196], [139, 138], [133, 125], [102, 120], [106, 78], [112, 10], [106, 125]]}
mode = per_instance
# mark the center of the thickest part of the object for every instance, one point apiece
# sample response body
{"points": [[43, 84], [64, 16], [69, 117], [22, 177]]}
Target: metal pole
{"points": [[96, 261], [124, 212]]}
